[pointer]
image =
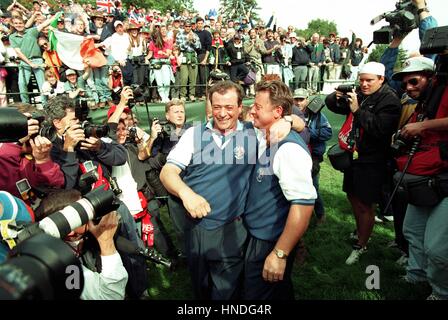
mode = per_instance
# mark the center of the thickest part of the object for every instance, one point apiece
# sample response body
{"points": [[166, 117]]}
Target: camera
{"points": [[139, 60], [401, 21], [85, 104], [167, 128], [399, 143], [94, 130], [13, 125], [132, 134], [141, 93], [93, 205], [345, 88], [316, 105], [37, 270]]}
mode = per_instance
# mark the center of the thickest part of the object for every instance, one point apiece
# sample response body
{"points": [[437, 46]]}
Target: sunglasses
{"points": [[413, 82]]}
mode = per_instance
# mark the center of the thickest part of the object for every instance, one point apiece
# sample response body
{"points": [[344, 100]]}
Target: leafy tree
{"points": [[321, 26], [236, 9], [378, 51]]}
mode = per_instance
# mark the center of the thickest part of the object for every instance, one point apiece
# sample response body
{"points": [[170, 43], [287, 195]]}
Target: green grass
{"points": [[324, 274]]}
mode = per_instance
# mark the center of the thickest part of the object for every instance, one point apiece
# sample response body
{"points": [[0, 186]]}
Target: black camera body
{"points": [[402, 20], [399, 144], [346, 88], [132, 134], [94, 130], [167, 128]]}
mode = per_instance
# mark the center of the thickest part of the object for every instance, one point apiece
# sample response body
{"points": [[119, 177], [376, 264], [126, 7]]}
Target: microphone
{"points": [[127, 246]]}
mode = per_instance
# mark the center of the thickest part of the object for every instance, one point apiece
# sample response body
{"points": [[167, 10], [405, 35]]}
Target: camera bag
{"points": [[423, 191], [340, 159]]}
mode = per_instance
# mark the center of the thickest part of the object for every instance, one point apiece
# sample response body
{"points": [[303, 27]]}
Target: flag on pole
{"points": [[74, 50], [105, 5]]}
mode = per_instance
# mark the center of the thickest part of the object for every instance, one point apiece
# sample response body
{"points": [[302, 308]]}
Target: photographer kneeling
{"points": [[105, 277], [372, 113]]}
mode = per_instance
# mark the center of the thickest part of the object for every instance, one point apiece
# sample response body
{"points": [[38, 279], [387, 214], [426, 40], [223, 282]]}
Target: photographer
{"points": [[389, 59], [115, 82], [105, 277], [72, 150], [29, 159], [132, 177], [426, 131], [372, 116]]}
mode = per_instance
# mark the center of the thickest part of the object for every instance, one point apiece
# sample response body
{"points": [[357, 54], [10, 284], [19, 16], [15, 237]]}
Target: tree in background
{"points": [[321, 26], [378, 51], [237, 9]]}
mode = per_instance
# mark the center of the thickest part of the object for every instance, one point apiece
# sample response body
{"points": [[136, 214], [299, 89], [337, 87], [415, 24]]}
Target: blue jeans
{"points": [[24, 78], [426, 229], [101, 76]]}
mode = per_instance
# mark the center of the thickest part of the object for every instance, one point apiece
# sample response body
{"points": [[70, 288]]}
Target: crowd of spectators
{"points": [[176, 54]]}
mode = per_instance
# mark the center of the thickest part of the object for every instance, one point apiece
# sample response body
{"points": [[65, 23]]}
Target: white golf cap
{"points": [[373, 68]]}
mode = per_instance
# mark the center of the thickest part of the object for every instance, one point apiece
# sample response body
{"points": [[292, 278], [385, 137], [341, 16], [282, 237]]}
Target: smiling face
{"points": [[122, 133], [415, 84], [264, 112], [225, 110]]}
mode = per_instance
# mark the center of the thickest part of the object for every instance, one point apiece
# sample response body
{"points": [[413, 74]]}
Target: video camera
{"points": [[316, 105], [402, 20]]}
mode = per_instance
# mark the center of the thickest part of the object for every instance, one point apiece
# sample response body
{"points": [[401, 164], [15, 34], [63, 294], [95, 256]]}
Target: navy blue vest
{"points": [[267, 208], [222, 176]]}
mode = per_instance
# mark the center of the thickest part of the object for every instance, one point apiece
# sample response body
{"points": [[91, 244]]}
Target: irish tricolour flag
{"points": [[75, 50]]}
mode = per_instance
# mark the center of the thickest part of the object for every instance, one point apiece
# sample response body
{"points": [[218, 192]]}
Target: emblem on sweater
{"points": [[238, 152], [260, 174]]}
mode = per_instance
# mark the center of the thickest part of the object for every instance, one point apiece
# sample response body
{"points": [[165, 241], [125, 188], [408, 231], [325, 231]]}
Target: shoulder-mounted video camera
{"points": [[402, 20]]}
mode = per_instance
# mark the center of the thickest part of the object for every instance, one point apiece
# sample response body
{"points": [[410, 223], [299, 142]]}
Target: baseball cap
{"points": [[373, 68], [117, 23], [187, 23], [293, 35], [69, 72], [113, 108], [300, 93], [415, 64]]}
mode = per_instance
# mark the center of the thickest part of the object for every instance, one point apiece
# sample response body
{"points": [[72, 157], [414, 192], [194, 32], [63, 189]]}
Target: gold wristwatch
{"points": [[280, 253]]}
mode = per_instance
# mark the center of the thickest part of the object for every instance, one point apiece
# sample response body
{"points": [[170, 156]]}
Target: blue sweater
{"points": [[222, 176], [267, 208]]}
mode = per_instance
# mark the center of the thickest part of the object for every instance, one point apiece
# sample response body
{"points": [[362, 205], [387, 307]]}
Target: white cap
{"points": [[118, 22], [293, 35], [373, 68]]}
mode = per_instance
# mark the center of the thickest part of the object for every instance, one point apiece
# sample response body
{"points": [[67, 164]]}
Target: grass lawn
{"points": [[324, 274]]}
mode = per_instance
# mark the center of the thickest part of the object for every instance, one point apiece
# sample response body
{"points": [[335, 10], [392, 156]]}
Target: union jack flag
{"points": [[105, 5]]}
